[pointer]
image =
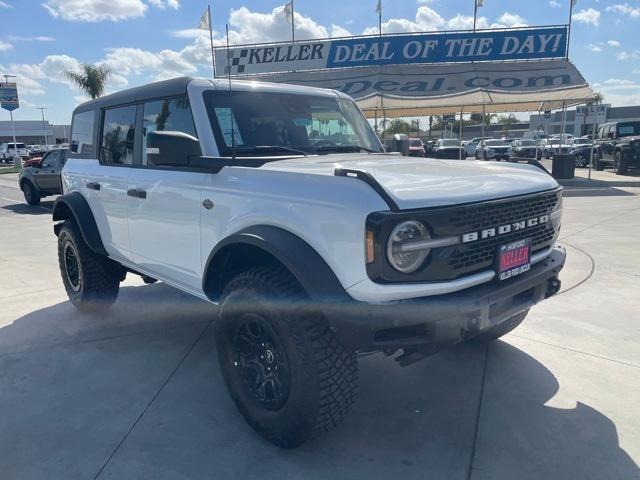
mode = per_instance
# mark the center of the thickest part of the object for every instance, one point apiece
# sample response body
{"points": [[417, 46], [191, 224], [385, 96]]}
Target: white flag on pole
{"points": [[288, 11], [205, 21], [379, 7], [573, 3], [479, 3]]}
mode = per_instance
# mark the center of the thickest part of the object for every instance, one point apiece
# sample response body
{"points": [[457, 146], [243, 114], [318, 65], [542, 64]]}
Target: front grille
{"points": [[489, 215], [463, 259]]}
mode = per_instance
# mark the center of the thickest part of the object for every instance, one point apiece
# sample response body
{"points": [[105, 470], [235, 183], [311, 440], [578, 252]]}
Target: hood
{"points": [[429, 182]]}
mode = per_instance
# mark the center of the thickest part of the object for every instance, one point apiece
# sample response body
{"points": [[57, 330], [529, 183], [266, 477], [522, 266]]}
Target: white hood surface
{"points": [[428, 182]]}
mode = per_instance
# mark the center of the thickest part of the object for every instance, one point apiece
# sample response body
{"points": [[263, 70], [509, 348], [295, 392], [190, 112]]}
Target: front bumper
{"points": [[431, 323]]}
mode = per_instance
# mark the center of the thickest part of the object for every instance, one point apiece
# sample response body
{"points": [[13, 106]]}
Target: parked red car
{"points": [[31, 162], [416, 148]]}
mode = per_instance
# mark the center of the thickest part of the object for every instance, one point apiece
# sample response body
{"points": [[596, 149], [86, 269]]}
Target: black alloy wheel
{"points": [[262, 361], [72, 268]]}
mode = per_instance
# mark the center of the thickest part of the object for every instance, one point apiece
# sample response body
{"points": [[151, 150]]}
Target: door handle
{"points": [[93, 185], [137, 193]]}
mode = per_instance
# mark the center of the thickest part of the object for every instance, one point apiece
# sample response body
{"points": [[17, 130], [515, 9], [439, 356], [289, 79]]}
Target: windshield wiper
{"points": [[345, 148], [270, 149]]}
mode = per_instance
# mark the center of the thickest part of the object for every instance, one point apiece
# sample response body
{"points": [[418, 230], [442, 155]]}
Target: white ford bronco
{"points": [[279, 204]]}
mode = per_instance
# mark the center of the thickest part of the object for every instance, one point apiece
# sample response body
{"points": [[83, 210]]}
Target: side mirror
{"points": [[171, 149]]}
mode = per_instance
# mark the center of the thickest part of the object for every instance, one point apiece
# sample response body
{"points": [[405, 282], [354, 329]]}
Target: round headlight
{"points": [[403, 247]]}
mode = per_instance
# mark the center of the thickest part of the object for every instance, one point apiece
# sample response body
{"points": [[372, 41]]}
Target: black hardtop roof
{"points": [[165, 88]]}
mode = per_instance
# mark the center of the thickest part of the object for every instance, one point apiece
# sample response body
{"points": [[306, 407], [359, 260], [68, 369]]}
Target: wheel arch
{"points": [[262, 245], [73, 206]]}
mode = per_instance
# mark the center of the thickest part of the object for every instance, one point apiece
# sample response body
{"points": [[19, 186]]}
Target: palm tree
{"points": [[92, 80]]}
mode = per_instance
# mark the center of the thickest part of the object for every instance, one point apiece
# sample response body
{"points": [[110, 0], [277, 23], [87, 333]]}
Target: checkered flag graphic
{"points": [[238, 61]]}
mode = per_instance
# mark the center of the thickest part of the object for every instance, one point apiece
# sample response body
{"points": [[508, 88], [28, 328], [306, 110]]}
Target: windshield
{"points": [[581, 141], [527, 143], [268, 123], [449, 143], [628, 129], [496, 143], [415, 143]]}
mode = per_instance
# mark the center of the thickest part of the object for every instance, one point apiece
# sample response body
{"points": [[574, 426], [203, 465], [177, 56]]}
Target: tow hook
{"points": [[553, 287]]}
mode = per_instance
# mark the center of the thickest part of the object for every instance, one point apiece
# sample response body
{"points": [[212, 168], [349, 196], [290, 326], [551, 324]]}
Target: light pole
{"points": [[44, 129]]}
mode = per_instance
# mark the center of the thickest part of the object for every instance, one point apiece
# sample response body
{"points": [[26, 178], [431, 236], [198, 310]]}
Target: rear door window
{"points": [[118, 135], [82, 133]]}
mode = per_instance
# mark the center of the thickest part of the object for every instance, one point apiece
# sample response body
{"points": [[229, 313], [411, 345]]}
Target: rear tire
{"points": [[285, 370], [599, 165], [91, 280], [31, 195], [501, 329]]}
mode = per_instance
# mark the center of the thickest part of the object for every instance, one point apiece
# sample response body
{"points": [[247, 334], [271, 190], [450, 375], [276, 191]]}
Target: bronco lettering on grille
{"points": [[504, 229]]}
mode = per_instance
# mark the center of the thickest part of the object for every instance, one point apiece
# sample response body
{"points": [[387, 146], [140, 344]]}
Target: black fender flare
{"points": [[75, 207], [295, 254]]}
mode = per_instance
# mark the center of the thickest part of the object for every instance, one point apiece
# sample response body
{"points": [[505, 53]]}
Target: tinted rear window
{"points": [[82, 133], [628, 129]]}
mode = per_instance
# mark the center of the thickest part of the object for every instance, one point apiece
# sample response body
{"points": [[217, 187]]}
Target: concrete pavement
{"points": [[137, 393]]}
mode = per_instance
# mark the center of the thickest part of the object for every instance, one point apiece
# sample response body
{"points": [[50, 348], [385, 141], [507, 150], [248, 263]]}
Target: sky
{"points": [[146, 40]]}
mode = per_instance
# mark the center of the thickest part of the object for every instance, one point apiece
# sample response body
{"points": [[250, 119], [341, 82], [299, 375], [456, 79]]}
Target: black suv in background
{"points": [[618, 144]]}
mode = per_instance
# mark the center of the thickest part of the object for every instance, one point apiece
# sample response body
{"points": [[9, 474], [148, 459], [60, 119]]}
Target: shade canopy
{"points": [[419, 90]]}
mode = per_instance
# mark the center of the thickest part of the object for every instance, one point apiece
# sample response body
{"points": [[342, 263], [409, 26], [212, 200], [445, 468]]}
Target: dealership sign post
{"points": [[9, 101]]}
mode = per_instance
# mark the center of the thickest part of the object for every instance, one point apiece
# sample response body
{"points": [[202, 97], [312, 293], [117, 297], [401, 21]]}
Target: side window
{"points": [[171, 114], [82, 133], [118, 133], [50, 160]]}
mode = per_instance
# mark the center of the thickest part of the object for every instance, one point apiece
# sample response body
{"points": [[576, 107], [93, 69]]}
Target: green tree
{"points": [[92, 79], [397, 125], [507, 121]]}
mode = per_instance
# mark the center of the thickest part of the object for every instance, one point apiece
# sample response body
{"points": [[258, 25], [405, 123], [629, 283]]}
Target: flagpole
{"points": [[571, 3], [475, 13], [213, 58], [380, 19], [293, 24]]}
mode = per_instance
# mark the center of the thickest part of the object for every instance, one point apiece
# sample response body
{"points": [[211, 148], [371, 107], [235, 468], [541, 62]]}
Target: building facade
{"points": [[34, 132], [578, 125]]}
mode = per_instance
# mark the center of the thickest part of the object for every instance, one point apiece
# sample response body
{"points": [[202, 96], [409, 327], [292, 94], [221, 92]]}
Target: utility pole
{"points": [[44, 128]]}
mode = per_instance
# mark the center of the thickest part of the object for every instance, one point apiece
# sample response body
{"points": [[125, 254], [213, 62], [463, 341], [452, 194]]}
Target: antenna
{"points": [[233, 136]]}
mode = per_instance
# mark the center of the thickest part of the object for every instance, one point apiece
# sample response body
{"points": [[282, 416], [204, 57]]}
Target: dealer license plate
{"points": [[514, 258]]}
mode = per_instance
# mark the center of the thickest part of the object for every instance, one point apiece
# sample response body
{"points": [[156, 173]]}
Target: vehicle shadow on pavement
{"points": [[44, 208], [73, 386]]}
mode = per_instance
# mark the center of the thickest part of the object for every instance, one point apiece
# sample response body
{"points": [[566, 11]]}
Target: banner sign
{"points": [[419, 82], [594, 114], [444, 47], [9, 96]]}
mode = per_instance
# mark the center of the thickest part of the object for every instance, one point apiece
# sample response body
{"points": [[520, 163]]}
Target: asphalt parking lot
{"points": [[137, 393]]}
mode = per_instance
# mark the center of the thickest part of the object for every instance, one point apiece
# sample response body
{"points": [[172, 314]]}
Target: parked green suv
{"points": [[43, 179]]}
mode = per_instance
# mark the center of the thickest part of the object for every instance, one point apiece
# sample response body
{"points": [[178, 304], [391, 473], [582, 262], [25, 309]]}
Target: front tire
{"points": [[581, 161], [91, 280], [285, 370], [620, 164], [501, 329], [31, 195]]}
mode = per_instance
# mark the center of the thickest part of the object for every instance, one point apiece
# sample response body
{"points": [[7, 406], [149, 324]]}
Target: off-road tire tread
{"points": [[101, 276], [335, 366], [622, 166]]}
